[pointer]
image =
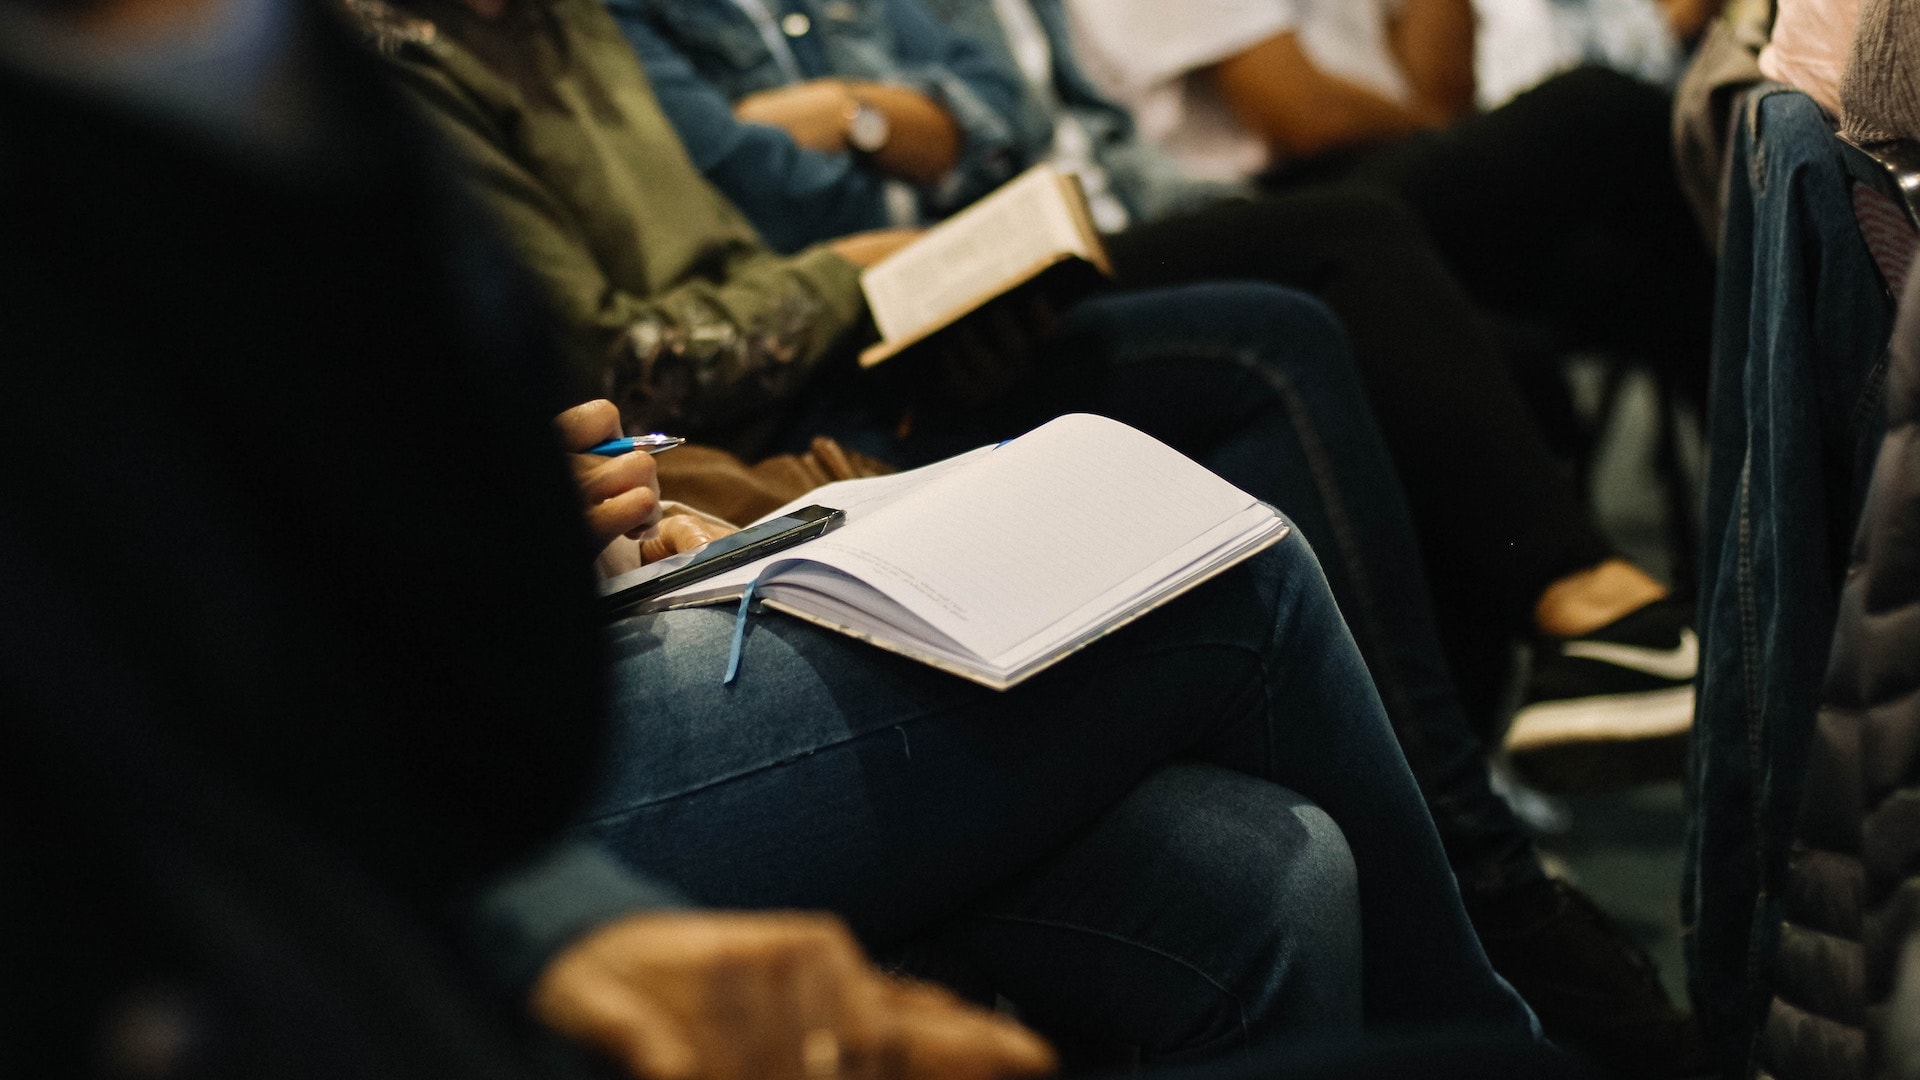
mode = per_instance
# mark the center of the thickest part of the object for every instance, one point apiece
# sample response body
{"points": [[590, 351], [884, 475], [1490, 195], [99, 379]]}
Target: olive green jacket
{"points": [[671, 304]]}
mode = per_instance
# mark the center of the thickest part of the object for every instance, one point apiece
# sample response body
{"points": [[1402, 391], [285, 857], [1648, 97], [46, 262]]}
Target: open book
{"points": [[995, 564], [1034, 222]]}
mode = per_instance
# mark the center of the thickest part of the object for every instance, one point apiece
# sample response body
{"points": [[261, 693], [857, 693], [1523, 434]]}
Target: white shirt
{"points": [[1518, 44], [1072, 151], [1147, 55]]}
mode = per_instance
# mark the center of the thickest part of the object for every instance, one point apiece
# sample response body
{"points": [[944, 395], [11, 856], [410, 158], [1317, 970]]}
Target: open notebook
{"points": [[996, 564]]}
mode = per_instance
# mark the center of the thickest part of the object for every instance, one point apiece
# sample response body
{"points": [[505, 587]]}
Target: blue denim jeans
{"points": [[1257, 382], [1799, 364], [1273, 368], [1196, 912]]}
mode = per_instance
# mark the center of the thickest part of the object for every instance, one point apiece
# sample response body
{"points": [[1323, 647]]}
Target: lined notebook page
{"points": [[972, 255], [1023, 536], [856, 498]]}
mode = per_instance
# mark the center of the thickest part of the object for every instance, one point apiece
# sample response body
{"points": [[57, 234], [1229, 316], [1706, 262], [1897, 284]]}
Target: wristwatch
{"points": [[868, 129]]}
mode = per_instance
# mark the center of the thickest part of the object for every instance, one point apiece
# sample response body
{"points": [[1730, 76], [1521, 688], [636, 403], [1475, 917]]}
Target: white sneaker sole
{"points": [[1655, 714]]}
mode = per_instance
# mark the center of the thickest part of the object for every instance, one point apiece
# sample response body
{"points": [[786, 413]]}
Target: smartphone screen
{"points": [[728, 552]]}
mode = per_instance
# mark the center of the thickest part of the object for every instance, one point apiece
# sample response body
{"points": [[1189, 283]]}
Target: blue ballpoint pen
{"points": [[655, 443]]}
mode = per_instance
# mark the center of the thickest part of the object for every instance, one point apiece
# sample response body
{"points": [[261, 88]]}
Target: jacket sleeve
{"points": [[699, 357], [794, 196], [525, 917], [984, 94]]}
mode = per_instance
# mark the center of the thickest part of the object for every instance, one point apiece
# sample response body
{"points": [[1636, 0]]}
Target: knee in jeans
{"points": [[1282, 327], [1259, 311], [1305, 895], [1279, 881], [1288, 573]]}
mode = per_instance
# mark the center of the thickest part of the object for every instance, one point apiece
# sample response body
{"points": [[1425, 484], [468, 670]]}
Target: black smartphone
{"points": [[730, 551]]}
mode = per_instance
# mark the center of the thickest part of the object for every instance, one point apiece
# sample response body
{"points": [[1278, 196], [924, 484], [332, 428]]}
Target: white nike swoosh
{"points": [[1680, 662]]}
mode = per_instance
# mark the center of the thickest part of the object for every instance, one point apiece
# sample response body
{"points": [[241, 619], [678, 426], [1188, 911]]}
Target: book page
{"points": [[1026, 535], [974, 256]]}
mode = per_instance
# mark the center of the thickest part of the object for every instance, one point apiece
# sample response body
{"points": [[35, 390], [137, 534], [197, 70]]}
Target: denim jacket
{"points": [[1796, 418], [702, 55]]}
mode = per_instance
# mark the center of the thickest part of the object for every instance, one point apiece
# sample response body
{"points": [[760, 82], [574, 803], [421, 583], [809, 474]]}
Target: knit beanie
{"points": [[1880, 92]]}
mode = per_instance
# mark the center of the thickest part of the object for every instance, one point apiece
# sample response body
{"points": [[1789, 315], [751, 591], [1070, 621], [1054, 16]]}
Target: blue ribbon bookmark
{"points": [[739, 633]]}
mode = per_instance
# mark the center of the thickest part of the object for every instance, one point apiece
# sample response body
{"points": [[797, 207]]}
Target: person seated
{"points": [[534, 146], [1461, 433], [1558, 207], [1428, 361], [302, 661], [947, 108], [735, 805], [300, 654]]}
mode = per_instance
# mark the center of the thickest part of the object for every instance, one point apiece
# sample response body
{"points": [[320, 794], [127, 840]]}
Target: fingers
{"points": [[784, 998], [943, 1038], [867, 248], [626, 514], [621, 494], [716, 997], [597, 1007], [768, 997], [601, 478], [801, 1033], [588, 425], [679, 533]]}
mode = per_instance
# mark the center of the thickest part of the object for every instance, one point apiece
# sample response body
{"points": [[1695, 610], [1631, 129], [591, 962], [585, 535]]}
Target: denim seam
{"points": [[1756, 163], [896, 724], [1319, 463], [1239, 1006], [1755, 717]]}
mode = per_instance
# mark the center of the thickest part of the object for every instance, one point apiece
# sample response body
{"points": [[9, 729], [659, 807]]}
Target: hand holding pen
{"points": [[619, 489]]}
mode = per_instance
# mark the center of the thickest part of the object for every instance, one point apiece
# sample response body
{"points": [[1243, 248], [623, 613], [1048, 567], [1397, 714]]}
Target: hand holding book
{"points": [[1034, 223], [867, 248]]}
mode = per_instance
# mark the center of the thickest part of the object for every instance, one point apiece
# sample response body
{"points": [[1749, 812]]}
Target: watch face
{"points": [[868, 129]]}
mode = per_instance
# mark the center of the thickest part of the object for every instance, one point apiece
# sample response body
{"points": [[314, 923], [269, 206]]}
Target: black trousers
{"points": [[1497, 517], [1558, 212], [1562, 208]]}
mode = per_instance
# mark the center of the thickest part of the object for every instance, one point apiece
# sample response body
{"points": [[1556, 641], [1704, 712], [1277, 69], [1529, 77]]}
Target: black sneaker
{"points": [[1610, 708], [1596, 991]]}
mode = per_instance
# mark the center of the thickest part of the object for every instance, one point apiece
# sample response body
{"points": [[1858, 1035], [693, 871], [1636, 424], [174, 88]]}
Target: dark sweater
{"points": [[297, 636]]}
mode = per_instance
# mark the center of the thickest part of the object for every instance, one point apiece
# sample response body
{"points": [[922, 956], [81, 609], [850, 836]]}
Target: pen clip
{"points": [[655, 443]]}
